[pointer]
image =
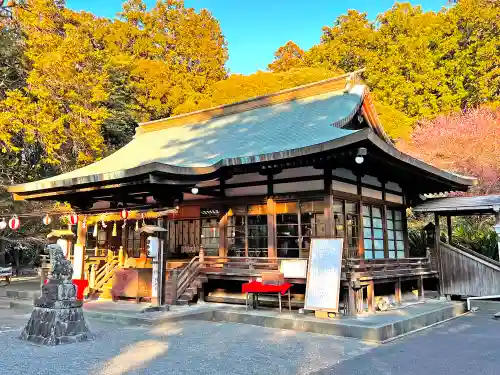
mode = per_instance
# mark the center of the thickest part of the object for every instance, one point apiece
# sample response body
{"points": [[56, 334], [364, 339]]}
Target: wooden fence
{"points": [[467, 273]]}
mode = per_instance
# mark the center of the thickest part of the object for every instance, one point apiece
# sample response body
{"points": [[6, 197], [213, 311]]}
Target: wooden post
{"points": [[448, 225], [92, 276], [271, 229], [397, 293], [328, 202], [352, 301], [174, 287], [121, 256], [81, 233], [223, 232], [361, 244], [370, 296], [421, 293], [437, 249]]}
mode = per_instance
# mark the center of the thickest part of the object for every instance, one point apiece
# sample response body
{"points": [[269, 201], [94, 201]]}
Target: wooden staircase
{"points": [[101, 280], [182, 287]]}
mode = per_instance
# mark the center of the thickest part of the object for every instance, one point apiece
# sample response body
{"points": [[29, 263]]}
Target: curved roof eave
{"points": [[452, 177], [199, 172], [189, 171]]}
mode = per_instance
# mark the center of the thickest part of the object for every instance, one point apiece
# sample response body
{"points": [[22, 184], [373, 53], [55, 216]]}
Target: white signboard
{"points": [[294, 268], [323, 280]]}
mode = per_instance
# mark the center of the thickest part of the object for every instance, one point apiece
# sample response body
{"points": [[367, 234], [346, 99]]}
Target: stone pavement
{"points": [[464, 346]]}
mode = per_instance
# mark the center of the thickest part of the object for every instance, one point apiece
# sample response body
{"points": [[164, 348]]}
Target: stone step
{"points": [[182, 302], [185, 297]]}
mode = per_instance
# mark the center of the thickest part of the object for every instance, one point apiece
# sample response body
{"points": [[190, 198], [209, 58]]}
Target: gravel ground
{"points": [[468, 345], [190, 347]]}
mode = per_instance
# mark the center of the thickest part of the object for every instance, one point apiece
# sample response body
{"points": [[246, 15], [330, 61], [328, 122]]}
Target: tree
{"points": [[287, 57], [90, 80], [175, 54], [13, 65], [464, 142], [346, 46], [469, 51]]}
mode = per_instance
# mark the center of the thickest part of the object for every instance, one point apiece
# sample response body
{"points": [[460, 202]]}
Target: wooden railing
{"points": [[244, 263], [390, 268], [186, 276]]}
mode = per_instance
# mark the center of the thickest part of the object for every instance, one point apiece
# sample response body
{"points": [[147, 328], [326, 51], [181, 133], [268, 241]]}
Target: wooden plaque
{"points": [[323, 274]]}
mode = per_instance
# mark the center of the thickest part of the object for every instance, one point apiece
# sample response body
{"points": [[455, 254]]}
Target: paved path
{"points": [[468, 345], [465, 346]]}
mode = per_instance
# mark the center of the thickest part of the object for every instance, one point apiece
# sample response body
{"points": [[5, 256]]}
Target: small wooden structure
{"points": [[252, 183], [463, 272]]}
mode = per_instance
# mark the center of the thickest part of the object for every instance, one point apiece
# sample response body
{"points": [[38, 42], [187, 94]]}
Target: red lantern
{"points": [[14, 223], [46, 220], [124, 214], [73, 219]]}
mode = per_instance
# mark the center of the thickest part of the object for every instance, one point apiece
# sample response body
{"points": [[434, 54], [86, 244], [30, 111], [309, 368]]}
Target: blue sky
{"points": [[254, 29]]}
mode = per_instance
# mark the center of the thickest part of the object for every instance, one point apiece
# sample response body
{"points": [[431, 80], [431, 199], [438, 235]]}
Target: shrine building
{"points": [[251, 183]]}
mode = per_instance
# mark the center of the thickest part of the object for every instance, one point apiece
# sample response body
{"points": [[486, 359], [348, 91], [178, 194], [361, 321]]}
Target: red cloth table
{"points": [[256, 288]]}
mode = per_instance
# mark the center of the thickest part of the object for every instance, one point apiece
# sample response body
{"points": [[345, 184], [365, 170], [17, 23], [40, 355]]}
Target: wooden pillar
{"points": [[79, 250], [437, 249], [271, 229], [397, 292], [405, 230], [370, 296], [421, 293], [361, 244], [352, 301], [328, 202], [223, 232], [448, 227]]}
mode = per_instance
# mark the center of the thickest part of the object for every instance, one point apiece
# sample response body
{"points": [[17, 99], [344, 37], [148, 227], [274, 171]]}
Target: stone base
{"points": [[49, 326]]}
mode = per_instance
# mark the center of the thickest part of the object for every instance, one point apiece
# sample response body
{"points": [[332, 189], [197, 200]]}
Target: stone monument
{"points": [[57, 317]]}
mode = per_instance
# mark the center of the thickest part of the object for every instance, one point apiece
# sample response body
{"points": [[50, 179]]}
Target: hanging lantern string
{"points": [[38, 214]]}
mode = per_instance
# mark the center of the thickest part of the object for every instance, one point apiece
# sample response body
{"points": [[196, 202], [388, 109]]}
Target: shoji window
{"points": [[373, 232], [395, 234]]}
